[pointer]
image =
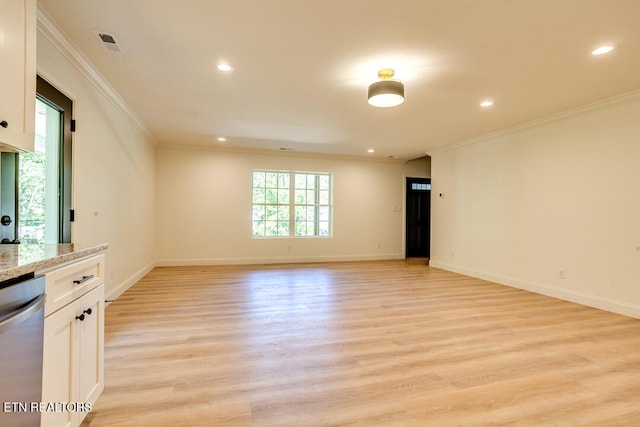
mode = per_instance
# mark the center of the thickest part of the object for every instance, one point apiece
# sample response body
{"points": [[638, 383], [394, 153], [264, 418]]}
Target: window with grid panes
{"points": [[291, 204]]}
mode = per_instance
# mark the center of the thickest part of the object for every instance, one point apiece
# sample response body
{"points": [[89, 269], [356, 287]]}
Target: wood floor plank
{"points": [[384, 343]]}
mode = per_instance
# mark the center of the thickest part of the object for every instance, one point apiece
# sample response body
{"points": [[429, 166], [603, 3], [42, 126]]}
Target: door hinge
{"points": [[73, 125], [72, 215]]}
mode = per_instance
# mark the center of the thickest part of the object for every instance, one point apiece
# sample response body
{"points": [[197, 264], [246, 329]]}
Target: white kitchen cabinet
{"points": [[73, 369], [69, 282], [17, 73], [91, 362]]}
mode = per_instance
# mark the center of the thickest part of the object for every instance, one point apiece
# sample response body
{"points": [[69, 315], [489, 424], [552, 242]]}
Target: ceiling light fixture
{"points": [[222, 139], [371, 150], [485, 104], [386, 92], [224, 67], [602, 50]]}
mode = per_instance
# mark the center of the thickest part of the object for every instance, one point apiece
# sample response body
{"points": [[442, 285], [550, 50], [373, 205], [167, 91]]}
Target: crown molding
{"points": [[230, 149], [538, 122], [48, 29]]}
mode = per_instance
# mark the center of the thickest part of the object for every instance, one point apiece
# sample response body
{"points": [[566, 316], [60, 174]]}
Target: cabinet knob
{"points": [[4, 124], [88, 311], [80, 318]]}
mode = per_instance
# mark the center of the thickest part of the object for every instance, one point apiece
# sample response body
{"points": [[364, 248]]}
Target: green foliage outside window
{"points": [[31, 197], [277, 204]]}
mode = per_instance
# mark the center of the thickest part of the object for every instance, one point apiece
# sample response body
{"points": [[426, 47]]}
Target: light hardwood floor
{"points": [[388, 343]]}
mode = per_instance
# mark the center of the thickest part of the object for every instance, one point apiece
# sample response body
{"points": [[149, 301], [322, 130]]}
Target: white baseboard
{"points": [[114, 293], [606, 304], [272, 260]]}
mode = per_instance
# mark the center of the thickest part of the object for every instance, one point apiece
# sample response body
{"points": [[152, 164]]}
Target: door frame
{"points": [[51, 95]]}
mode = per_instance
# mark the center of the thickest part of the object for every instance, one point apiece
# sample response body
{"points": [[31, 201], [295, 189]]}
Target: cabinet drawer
{"points": [[71, 281]]}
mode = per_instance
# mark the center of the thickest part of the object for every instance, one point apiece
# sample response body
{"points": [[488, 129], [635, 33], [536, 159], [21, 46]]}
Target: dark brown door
{"points": [[418, 217]]}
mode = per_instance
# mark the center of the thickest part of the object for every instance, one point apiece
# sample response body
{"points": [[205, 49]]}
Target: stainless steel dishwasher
{"points": [[21, 335]]}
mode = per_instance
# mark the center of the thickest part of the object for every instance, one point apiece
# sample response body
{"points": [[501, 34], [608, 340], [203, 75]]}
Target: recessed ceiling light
{"points": [[485, 104], [224, 67], [222, 139], [602, 50], [371, 150]]}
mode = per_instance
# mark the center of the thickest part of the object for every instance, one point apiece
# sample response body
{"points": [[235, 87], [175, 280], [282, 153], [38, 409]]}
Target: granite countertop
{"points": [[23, 258]]}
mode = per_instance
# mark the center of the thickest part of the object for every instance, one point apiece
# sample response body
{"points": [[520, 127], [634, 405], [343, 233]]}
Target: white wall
{"points": [[113, 173], [561, 195], [204, 208]]}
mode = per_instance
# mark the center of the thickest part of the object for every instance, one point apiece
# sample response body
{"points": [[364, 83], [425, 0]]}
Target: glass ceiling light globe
{"points": [[386, 92]]}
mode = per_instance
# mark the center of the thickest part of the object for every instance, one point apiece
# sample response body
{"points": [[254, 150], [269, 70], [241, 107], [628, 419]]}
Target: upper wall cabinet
{"points": [[17, 73]]}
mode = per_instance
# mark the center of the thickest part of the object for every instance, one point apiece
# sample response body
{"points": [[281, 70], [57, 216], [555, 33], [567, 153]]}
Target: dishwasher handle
{"points": [[22, 314]]}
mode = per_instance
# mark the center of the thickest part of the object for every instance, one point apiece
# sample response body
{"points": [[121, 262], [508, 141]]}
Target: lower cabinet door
{"points": [[73, 368], [91, 355], [59, 375]]}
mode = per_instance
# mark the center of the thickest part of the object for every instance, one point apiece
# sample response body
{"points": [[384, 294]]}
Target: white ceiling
{"points": [[302, 67]]}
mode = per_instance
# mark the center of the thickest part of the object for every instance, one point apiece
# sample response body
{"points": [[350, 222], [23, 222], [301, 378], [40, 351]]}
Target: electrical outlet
{"points": [[562, 274], [378, 245], [289, 248]]}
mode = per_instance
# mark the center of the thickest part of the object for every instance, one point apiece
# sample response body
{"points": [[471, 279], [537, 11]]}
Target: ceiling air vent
{"points": [[109, 41]]}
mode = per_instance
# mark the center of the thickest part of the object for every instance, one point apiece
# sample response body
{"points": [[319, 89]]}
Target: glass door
{"points": [[38, 183]]}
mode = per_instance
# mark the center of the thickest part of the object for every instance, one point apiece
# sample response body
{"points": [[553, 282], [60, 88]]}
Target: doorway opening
{"points": [[418, 218], [44, 185]]}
